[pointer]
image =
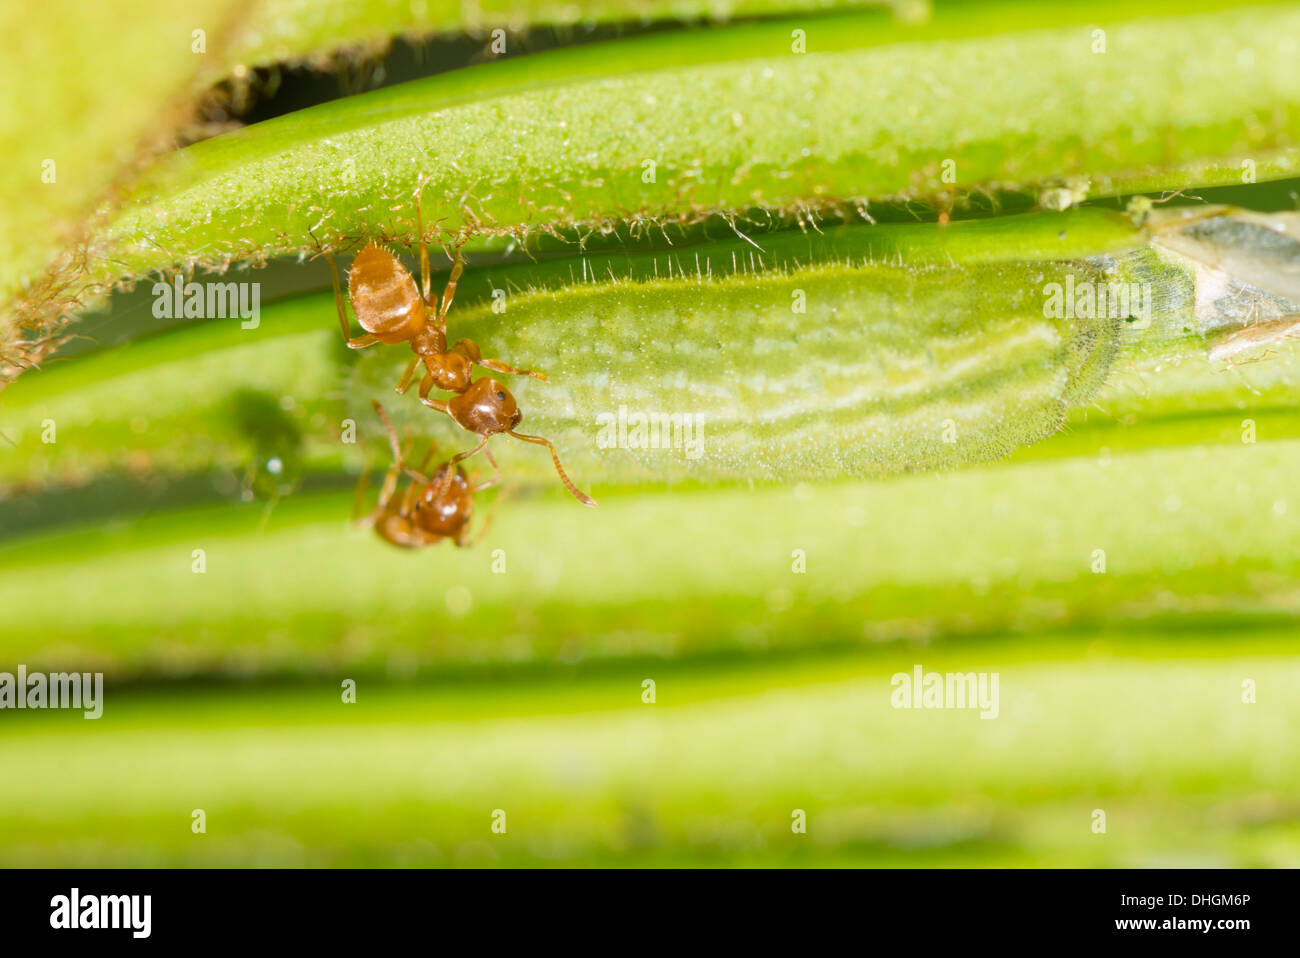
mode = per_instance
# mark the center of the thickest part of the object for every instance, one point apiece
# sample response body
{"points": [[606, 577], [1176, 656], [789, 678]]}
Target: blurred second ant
{"points": [[432, 508]]}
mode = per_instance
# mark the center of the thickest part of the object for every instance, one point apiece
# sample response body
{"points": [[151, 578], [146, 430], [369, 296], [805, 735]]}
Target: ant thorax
{"points": [[450, 371]]}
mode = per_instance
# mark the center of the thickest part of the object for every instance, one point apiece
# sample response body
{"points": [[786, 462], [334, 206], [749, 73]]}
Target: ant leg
{"points": [[449, 467], [408, 500], [496, 470], [390, 487], [407, 376], [421, 475], [462, 456], [338, 299], [385, 496], [424, 463], [449, 291], [577, 493], [497, 366], [392, 433], [426, 385], [399, 455], [425, 278], [439, 405], [469, 349]]}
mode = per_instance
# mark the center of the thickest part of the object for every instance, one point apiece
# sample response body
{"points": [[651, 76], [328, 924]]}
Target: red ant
{"points": [[431, 509], [392, 310]]}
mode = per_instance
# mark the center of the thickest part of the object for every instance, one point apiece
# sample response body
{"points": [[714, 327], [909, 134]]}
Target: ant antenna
{"points": [[577, 493]]}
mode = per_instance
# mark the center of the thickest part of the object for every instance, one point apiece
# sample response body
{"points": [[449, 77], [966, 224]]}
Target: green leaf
{"points": [[710, 774], [291, 30], [732, 119], [77, 114]]}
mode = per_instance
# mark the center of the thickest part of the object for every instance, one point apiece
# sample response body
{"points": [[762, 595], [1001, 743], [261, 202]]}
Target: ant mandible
{"points": [[392, 310], [431, 509]]}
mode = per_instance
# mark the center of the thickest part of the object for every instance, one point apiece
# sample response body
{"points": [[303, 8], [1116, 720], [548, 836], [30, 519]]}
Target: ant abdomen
{"points": [[384, 296]]}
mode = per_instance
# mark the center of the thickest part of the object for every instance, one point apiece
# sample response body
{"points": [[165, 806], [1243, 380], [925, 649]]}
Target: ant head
{"points": [[444, 509], [486, 408]]}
